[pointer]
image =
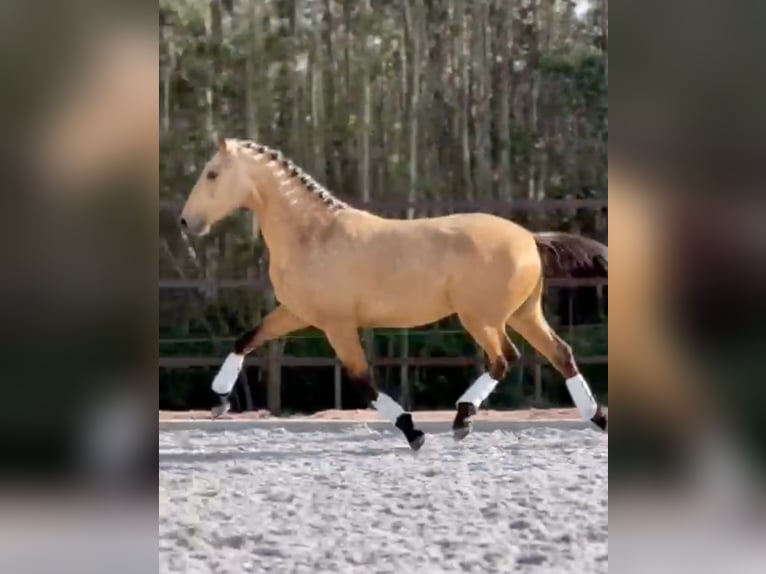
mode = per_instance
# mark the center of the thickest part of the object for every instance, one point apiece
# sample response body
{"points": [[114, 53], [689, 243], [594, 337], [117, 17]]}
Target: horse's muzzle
{"points": [[193, 225]]}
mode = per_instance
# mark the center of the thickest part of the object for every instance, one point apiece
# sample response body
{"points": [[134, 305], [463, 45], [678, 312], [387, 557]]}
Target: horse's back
{"points": [[441, 243], [477, 237]]}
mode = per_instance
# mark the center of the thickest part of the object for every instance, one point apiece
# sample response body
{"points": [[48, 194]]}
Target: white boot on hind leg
{"points": [[583, 399]]}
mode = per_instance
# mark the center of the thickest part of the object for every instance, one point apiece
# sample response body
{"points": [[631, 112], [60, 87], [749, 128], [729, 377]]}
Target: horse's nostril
{"points": [[183, 223]]}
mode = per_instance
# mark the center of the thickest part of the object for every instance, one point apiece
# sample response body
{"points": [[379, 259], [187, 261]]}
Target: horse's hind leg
{"points": [[535, 329], [500, 352], [345, 341]]}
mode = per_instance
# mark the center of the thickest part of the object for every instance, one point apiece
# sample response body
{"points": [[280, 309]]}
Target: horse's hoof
{"points": [[460, 433], [600, 420], [415, 437], [463, 425], [417, 440], [221, 409]]}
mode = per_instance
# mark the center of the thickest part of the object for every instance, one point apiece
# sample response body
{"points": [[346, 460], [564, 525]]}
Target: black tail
{"points": [[566, 255]]}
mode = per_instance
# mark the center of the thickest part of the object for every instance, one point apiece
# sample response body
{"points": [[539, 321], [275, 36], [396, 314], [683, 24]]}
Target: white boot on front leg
{"points": [[225, 380], [583, 399], [479, 390], [401, 419], [468, 405]]}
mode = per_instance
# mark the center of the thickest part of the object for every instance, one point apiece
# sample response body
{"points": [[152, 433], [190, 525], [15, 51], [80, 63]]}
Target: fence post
{"points": [[338, 398], [246, 389], [368, 336], [404, 372], [274, 385], [538, 383]]}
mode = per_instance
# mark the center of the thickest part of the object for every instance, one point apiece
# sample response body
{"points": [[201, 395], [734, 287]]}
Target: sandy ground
{"points": [[370, 415], [335, 498]]}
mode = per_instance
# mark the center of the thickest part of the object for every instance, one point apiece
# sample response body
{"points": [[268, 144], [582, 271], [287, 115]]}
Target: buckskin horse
{"points": [[340, 269]]}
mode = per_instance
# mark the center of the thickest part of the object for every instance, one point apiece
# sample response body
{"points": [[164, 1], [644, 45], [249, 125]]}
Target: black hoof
{"points": [[600, 420], [221, 409], [417, 439], [463, 425], [461, 433]]}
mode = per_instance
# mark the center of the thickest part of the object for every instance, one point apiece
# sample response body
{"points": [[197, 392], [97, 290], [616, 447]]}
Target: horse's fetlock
{"points": [[499, 369]]}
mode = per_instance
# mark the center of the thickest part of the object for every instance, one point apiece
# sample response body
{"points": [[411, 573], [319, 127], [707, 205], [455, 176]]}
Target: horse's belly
{"points": [[402, 309]]}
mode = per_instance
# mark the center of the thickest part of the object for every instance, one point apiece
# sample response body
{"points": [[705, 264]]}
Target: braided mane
{"points": [[295, 171]]}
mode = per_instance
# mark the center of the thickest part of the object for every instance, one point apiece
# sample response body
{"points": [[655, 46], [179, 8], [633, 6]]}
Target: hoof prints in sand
{"points": [[359, 501]]}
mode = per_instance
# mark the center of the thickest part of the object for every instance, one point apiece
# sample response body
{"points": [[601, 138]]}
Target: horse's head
{"points": [[223, 187]]}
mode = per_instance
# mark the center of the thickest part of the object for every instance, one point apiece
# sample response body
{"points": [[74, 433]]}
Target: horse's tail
{"points": [[565, 255]]}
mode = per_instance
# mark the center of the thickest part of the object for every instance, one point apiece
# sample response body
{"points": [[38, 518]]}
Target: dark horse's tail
{"points": [[566, 255]]}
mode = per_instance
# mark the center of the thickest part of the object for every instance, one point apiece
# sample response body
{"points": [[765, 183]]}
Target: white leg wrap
{"points": [[227, 374], [479, 390], [582, 397], [387, 407]]}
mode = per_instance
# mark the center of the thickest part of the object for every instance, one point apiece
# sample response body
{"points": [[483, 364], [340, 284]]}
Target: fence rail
{"points": [[294, 361]]}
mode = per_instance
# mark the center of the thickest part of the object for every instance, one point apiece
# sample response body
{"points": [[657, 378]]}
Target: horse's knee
{"points": [[498, 368]]}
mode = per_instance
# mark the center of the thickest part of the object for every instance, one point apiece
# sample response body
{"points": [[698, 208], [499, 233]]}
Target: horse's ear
{"points": [[219, 142]]}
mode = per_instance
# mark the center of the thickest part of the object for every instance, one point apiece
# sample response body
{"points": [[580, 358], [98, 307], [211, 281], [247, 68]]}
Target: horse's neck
{"points": [[291, 216], [290, 224]]}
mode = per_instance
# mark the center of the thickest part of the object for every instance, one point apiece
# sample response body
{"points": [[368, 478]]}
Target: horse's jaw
{"points": [[198, 233], [256, 228]]}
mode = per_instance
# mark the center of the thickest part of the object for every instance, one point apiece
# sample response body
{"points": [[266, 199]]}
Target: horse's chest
{"points": [[284, 280], [291, 288]]}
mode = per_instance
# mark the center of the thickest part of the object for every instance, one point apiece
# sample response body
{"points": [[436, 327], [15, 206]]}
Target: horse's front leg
{"points": [[278, 323], [344, 340]]}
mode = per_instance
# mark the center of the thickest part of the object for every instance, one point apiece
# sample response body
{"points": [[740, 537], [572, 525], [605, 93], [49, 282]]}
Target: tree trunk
{"points": [[251, 65], [465, 99], [481, 120], [505, 56], [215, 39], [533, 127], [366, 112], [317, 102], [412, 15], [333, 171]]}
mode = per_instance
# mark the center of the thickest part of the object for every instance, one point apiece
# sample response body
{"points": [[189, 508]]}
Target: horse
{"points": [[341, 269]]}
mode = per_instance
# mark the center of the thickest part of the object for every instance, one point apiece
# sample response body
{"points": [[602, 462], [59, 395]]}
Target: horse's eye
{"points": [[211, 175]]}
